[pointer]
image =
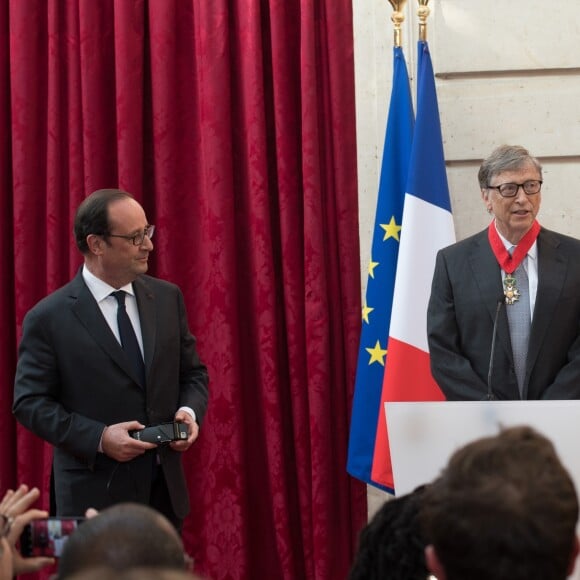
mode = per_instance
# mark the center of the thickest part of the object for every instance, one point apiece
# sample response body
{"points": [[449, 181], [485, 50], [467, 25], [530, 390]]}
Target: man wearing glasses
{"points": [[503, 320], [105, 356]]}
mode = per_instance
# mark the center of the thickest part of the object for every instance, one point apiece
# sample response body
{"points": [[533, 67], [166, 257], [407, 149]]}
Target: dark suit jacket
{"points": [[73, 378], [466, 288]]}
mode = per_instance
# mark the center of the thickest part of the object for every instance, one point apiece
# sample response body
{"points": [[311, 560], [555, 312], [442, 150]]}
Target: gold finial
{"points": [[423, 12], [397, 18]]}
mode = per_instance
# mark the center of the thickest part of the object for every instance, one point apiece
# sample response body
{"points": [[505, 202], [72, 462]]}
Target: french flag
{"points": [[382, 271], [427, 226]]}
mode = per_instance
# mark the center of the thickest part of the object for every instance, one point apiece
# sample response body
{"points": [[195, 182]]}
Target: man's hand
{"points": [[192, 431], [119, 445]]}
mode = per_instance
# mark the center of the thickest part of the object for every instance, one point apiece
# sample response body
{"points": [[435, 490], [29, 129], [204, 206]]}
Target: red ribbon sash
{"points": [[510, 263]]}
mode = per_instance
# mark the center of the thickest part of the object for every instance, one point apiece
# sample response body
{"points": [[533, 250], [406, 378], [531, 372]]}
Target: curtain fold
{"points": [[7, 285], [233, 124]]}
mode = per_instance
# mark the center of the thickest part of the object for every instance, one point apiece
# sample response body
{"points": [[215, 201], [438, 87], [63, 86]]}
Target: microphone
{"points": [[490, 396]]}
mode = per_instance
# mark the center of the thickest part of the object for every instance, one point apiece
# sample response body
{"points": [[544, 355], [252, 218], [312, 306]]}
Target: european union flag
{"points": [[376, 313]]}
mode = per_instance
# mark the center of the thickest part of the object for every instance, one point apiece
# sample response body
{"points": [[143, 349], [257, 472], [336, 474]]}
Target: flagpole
{"points": [[423, 13], [397, 19]]}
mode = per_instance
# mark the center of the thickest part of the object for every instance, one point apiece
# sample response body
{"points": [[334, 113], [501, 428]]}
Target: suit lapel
{"points": [[552, 268], [90, 316], [487, 275], [148, 318]]}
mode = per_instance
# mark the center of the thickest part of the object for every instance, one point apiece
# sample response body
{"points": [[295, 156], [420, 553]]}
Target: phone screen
{"points": [[46, 537]]}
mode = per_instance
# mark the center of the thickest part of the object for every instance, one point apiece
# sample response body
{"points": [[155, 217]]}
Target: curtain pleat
{"points": [[233, 123]]}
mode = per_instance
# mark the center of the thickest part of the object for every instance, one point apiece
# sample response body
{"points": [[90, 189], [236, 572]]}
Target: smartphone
{"points": [[162, 433], [47, 536]]}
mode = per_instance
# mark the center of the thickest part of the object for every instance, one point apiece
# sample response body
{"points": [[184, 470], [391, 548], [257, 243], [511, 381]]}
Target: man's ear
{"points": [[573, 556], [433, 564], [486, 200], [95, 244]]}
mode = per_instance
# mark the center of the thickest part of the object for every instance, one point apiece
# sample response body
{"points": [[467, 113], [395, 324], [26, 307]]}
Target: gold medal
{"points": [[510, 290]]}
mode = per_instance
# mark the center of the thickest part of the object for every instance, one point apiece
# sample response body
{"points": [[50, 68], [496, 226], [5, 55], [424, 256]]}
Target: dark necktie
{"points": [[128, 338], [519, 323]]}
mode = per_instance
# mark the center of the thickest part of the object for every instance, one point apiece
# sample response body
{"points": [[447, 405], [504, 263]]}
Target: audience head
{"points": [[504, 508], [138, 573], [121, 537], [391, 546]]}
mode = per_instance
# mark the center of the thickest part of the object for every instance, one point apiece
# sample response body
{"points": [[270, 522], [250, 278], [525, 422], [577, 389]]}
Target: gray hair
{"points": [[505, 158]]}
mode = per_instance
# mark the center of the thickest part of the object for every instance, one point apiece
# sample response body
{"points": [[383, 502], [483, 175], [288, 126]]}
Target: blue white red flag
{"points": [[376, 312], [427, 226]]}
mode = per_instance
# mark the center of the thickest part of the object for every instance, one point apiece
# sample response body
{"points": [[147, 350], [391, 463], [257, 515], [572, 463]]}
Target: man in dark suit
{"points": [[480, 283], [79, 387]]}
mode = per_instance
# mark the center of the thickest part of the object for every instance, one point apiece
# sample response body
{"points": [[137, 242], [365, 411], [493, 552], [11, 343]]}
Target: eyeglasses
{"points": [[530, 187], [5, 525], [137, 238]]}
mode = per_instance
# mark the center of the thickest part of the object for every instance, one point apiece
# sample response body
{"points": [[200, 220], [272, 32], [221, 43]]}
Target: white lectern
{"points": [[422, 436]]}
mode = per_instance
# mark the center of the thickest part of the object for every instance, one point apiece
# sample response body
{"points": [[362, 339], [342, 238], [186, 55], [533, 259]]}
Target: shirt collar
{"points": [[532, 252], [100, 289]]}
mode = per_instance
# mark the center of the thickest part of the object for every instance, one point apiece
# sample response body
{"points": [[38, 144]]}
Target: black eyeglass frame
{"points": [[522, 185], [138, 238]]}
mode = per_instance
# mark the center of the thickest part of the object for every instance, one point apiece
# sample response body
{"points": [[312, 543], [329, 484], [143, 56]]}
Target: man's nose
{"points": [[520, 192]]}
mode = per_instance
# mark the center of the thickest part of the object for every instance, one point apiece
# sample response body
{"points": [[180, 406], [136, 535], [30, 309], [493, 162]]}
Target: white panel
{"points": [[542, 113], [493, 35], [469, 214], [423, 436]]}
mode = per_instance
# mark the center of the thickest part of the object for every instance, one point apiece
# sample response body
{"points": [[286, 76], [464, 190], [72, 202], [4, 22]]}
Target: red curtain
{"points": [[233, 123]]}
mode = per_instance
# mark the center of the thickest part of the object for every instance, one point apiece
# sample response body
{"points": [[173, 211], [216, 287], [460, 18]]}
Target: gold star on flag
{"points": [[391, 230], [365, 313], [372, 266], [377, 354]]}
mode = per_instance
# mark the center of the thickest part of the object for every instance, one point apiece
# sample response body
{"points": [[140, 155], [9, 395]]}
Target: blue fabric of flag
{"points": [[428, 179], [381, 279]]}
